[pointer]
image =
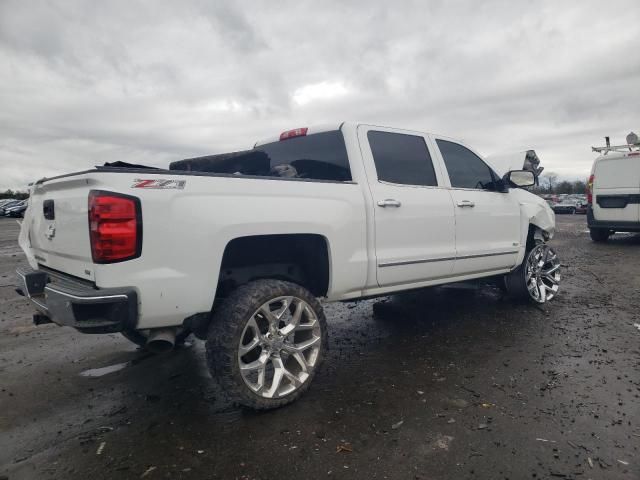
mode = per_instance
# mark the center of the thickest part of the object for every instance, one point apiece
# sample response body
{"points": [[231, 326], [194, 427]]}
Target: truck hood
{"points": [[522, 160]]}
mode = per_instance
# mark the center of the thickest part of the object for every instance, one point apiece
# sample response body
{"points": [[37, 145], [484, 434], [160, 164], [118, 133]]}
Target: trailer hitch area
{"points": [[39, 319]]}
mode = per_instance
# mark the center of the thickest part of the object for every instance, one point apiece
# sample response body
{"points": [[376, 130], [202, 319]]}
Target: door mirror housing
{"points": [[520, 178]]}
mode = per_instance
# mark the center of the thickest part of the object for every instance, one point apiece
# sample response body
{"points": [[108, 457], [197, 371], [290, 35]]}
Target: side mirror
{"points": [[520, 178]]}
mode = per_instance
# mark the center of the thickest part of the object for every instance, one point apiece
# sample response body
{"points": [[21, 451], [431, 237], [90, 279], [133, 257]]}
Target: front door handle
{"points": [[466, 203], [389, 202]]}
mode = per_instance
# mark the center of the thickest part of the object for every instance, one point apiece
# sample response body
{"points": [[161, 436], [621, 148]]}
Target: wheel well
{"points": [[535, 233], [299, 258]]}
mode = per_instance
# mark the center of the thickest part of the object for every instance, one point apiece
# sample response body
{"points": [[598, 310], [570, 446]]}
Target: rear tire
{"points": [[537, 279], [265, 343], [599, 234]]}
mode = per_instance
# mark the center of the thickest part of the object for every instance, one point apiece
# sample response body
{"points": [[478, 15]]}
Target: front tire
{"points": [[538, 277], [599, 234], [266, 342]]}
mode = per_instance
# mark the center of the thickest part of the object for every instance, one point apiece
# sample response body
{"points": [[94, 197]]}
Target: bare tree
{"points": [[11, 194], [551, 180], [564, 187], [579, 186]]}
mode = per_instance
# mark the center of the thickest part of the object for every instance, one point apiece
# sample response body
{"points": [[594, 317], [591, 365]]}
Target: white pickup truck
{"points": [[236, 248]]}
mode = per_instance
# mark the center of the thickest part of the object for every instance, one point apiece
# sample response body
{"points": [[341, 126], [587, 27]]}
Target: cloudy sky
{"points": [[82, 83]]}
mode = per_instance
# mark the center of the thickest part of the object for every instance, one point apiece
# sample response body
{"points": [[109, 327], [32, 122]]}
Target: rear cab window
{"points": [[401, 158], [318, 156], [465, 168]]}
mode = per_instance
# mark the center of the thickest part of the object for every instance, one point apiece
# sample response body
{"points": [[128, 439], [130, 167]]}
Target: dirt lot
{"points": [[437, 384]]}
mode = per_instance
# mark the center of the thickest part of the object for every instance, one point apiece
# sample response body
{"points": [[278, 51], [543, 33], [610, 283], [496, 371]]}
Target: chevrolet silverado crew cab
{"points": [[237, 248], [614, 190]]}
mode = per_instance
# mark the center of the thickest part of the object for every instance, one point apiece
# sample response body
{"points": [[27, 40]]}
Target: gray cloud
{"points": [[82, 83]]}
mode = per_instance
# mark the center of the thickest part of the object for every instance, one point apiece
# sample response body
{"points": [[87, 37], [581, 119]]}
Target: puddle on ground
{"points": [[99, 372], [116, 367]]}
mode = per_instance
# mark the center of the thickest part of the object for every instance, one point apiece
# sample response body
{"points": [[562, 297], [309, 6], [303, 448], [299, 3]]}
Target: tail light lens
{"points": [[590, 190], [296, 132], [115, 227]]}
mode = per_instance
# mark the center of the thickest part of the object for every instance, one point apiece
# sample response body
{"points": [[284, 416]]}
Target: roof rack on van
{"points": [[615, 148], [632, 142]]}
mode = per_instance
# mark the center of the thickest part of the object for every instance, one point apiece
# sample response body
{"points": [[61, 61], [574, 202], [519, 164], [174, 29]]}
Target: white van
{"points": [[614, 190]]}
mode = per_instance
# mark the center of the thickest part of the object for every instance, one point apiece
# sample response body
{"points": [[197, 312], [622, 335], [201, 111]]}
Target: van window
{"points": [[401, 158], [465, 168]]}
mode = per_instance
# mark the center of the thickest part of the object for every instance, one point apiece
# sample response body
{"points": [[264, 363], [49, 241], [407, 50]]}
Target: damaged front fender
{"points": [[534, 211], [541, 216]]}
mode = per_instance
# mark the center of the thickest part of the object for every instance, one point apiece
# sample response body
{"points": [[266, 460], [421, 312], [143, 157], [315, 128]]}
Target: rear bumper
{"points": [[564, 209], [69, 302], [611, 225]]}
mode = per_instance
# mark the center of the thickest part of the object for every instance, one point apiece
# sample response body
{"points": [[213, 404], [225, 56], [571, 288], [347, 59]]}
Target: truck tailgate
{"points": [[55, 227]]}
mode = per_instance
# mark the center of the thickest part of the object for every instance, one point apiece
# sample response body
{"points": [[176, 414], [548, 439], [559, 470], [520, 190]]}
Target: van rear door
{"points": [[616, 188]]}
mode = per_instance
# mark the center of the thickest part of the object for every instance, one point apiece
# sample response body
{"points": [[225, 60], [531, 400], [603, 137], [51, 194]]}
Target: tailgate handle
{"points": [[48, 210]]}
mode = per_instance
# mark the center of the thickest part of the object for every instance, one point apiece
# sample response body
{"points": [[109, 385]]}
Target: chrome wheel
{"points": [[542, 273], [279, 347]]}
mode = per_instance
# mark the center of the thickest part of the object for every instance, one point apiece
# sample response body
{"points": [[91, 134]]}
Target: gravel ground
{"points": [[436, 384]]}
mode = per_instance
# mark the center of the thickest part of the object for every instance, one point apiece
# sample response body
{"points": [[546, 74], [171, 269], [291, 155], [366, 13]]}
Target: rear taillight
{"points": [[115, 227], [590, 189]]}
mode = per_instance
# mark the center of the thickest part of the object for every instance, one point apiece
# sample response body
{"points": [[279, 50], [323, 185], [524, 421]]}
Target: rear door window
{"points": [[402, 159], [465, 168]]}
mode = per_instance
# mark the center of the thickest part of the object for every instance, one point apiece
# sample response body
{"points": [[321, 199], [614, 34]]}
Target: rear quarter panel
{"points": [[186, 231]]}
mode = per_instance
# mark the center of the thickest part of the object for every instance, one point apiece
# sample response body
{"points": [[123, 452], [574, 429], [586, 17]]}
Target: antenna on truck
{"points": [[632, 142]]}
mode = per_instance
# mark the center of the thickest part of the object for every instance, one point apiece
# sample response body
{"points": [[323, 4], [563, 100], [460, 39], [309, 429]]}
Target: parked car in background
{"points": [[614, 190], [13, 203], [582, 207], [17, 211], [580, 201], [568, 205]]}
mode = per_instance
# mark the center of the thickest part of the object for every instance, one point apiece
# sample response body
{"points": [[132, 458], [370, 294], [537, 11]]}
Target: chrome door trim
{"points": [[444, 259]]}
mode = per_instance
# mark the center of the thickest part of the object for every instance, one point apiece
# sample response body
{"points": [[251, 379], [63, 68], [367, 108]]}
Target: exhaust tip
{"points": [[161, 340]]}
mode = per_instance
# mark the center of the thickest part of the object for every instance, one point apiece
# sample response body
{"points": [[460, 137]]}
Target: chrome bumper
{"points": [[74, 303]]}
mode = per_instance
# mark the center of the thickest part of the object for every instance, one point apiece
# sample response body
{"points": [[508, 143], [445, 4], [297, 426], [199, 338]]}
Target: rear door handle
{"points": [[466, 203], [389, 202]]}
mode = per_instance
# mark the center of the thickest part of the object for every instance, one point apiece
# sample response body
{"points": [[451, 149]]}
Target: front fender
{"points": [[534, 211], [541, 217]]}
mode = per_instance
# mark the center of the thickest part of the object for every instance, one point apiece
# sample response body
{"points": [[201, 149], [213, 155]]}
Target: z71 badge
{"points": [[158, 183]]}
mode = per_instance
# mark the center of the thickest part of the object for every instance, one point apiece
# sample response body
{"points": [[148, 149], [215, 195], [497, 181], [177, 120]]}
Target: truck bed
{"points": [[188, 219]]}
